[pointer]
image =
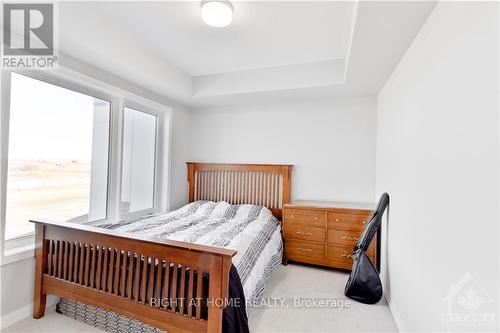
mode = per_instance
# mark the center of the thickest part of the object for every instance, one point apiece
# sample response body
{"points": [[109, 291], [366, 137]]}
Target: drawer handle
{"points": [[292, 216], [349, 238], [315, 218], [337, 220], [305, 233], [304, 249], [345, 254]]}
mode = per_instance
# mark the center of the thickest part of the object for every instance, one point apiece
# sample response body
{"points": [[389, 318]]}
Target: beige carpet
{"points": [[289, 284]]}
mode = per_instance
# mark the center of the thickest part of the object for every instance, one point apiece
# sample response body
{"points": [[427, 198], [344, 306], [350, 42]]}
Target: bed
{"points": [[188, 255]]}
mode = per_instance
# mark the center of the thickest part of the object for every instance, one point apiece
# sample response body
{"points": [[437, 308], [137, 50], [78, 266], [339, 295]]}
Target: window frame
{"points": [[21, 247]]}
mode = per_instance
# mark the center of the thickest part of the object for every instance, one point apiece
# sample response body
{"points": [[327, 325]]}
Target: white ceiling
{"points": [[263, 34], [271, 51]]}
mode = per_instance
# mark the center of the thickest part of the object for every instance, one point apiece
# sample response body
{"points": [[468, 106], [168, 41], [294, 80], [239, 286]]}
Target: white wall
{"points": [[17, 289], [331, 143], [438, 157], [181, 129]]}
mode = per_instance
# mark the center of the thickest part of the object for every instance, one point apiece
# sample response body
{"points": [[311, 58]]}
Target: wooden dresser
{"points": [[324, 233]]}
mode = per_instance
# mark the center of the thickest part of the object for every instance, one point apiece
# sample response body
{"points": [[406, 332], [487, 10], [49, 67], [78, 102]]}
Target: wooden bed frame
{"points": [[127, 273]]}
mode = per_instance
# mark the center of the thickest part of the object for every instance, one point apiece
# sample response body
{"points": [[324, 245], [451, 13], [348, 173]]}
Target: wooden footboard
{"points": [[156, 281]]}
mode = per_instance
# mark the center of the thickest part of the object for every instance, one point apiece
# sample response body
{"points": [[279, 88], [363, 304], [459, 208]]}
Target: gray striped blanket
{"points": [[251, 230]]}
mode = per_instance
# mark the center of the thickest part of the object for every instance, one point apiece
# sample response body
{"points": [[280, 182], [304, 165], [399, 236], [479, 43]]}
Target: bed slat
{"points": [[105, 269], [99, 268], [130, 274], [71, 260], [92, 266], [173, 292], [76, 273], [117, 272], [122, 286], [182, 289], [159, 269], [87, 265], [110, 269], [190, 292], [58, 259], [51, 257], [65, 260], [137, 276], [166, 289], [151, 281], [144, 280], [199, 283]]}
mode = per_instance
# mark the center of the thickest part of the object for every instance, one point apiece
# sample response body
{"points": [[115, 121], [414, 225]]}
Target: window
{"points": [[79, 150], [138, 161], [57, 155]]}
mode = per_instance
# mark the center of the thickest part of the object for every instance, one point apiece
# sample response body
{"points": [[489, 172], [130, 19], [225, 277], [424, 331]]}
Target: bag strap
{"points": [[373, 224]]}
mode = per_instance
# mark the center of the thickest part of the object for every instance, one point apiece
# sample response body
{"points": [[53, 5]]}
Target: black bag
{"points": [[364, 283]]}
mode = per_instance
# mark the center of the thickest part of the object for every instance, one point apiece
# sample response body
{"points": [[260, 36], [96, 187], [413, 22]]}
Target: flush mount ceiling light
{"points": [[217, 13]]}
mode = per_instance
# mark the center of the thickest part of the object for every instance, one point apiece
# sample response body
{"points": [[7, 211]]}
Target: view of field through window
{"points": [[44, 188], [58, 155]]}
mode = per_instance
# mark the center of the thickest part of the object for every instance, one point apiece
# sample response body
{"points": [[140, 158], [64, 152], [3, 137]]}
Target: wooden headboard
{"points": [[259, 184]]}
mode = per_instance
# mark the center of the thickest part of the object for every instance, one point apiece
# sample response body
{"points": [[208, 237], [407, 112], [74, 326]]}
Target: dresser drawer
{"points": [[305, 217], [340, 256], [348, 238], [348, 220], [303, 249], [343, 237], [296, 231]]}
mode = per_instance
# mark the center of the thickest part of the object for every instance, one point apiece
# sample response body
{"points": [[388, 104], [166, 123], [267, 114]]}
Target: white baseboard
{"points": [[392, 307], [397, 317], [24, 312]]}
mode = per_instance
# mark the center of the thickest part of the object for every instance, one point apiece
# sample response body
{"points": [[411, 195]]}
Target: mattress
{"points": [[251, 230]]}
